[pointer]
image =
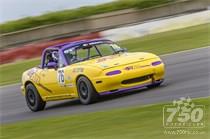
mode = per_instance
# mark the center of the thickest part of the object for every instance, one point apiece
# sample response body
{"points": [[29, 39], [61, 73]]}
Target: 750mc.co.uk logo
{"points": [[183, 113]]}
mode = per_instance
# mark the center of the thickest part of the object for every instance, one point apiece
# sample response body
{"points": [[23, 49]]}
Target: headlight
{"points": [[156, 63], [113, 72]]}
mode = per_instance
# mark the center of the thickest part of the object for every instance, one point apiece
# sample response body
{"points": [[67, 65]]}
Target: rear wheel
{"points": [[33, 99], [86, 91]]}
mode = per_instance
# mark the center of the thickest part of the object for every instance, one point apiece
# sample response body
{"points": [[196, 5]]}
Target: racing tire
{"points": [[33, 99], [86, 91]]}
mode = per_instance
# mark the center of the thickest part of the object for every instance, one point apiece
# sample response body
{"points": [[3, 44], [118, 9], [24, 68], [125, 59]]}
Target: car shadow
{"points": [[126, 93], [102, 98], [66, 103]]}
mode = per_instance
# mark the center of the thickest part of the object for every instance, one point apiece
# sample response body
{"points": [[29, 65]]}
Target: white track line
{"points": [[10, 85], [5, 86], [185, 51]]}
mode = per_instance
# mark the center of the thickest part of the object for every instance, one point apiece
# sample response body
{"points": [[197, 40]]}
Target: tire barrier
{"points": [[35, 49]]}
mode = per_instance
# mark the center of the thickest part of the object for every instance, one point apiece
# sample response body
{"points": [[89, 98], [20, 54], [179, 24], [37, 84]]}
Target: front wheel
{"points": [[86, 91], [33, 99]]}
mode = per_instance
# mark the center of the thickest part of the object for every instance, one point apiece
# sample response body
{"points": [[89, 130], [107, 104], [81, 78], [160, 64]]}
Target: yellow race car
{"points": [[87, 69]]}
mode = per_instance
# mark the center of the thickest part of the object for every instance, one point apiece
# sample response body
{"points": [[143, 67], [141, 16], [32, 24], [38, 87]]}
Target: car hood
{"points": [[118, 60]]}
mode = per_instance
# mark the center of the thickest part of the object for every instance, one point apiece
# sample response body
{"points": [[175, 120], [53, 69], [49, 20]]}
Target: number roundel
{"points": [[61, 79]]}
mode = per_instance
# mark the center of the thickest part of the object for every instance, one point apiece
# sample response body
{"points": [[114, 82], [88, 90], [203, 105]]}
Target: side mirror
{"points": [[52, 65]]}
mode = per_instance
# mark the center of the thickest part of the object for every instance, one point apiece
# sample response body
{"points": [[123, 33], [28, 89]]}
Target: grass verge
{"points": [[67, 15], [161, 43], [128, 123]]}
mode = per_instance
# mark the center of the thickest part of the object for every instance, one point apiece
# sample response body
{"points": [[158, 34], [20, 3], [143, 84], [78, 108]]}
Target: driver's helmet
{"points": [[55, 56]]}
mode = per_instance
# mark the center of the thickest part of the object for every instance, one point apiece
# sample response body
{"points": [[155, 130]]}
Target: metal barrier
{"points": [[99, 22]]}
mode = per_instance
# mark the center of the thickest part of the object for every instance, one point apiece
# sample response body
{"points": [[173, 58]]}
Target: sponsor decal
{"points": [[135, 67], [68, 51], [98, 42], [105, 58], [69, 85], [104, 65], [32, 72], [33, 76], [102, 59], [68, 78], [143, 66], [128, 68], [36, 79], [93, 43], [77, 70]]}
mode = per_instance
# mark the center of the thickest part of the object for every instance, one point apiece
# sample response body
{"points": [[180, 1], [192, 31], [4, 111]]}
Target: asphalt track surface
{"points": [[187, 74]]}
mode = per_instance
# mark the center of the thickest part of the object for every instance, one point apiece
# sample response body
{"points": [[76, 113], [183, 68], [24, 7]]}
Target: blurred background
{"points": [[162, 27], [27, 27]]}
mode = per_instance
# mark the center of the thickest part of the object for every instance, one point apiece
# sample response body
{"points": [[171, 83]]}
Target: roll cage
{"points": [[63, 60]]}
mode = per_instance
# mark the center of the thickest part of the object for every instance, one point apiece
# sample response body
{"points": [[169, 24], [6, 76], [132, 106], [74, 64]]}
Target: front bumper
{"points": [[131, 88], [129, 79]]}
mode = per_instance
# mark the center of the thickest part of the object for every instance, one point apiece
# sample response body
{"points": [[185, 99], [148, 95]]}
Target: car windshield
{"points": [[91, 50]]}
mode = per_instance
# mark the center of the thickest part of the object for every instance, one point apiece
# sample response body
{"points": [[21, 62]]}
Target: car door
{"points": [[50, 76], [51, 81]]}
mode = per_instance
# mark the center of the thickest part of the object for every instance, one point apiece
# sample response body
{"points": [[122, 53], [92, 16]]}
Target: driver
{"points": [[55, 56], [52, 57]]}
